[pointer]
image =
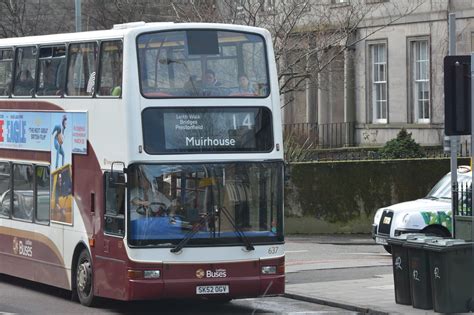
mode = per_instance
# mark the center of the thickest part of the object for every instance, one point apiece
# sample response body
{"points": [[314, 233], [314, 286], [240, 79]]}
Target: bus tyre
{"points": [[84, 279]]}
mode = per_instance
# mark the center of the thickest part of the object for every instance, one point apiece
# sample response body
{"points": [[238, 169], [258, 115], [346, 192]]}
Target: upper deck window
{"points": [[81, 73], [202, 63], [110, 82], [52, 66], [25, 71], [6, 68]]}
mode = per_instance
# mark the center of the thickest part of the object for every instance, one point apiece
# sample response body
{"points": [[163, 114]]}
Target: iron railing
{"points": [[332, 135], [462, 195]]}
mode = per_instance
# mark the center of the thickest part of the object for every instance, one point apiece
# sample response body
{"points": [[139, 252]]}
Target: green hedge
{"points": [[342, 197]]}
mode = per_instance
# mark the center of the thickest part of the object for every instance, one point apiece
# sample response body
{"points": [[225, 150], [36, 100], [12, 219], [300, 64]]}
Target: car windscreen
{"points": [[442, 190]]}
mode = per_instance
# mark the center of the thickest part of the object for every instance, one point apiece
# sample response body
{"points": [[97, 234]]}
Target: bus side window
{"points": [[6, 69], [25, 71], [23, 202], [81, 73], [51, 70], [110, 82], [42, 194], [114, 206], [4, 189]]}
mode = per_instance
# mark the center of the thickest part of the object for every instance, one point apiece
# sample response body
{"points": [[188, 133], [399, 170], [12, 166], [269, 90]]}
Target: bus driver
{"points": [[145, 200]]}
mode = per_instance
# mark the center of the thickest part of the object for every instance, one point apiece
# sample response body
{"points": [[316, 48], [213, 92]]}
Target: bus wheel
{"points": [[84, 279]]}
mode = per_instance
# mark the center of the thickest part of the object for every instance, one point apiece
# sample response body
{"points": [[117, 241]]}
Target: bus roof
{"points": [[120, 31]]}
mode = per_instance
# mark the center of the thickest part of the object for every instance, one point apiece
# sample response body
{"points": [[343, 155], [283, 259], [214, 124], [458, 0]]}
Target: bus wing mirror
{"points": [[117, 178]]}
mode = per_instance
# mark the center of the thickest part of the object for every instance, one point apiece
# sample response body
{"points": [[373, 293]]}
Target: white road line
{"points": [[296, 251]]}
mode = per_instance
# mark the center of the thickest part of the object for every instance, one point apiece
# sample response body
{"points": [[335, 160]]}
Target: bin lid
{"points": [[448, 244], [420, 241], [399, 240]]}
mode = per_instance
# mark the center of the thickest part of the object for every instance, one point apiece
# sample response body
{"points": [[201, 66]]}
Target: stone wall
{"points": [[342, 196]]}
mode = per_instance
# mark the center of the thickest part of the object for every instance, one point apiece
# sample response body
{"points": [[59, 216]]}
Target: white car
{"points": [[430, 215]]}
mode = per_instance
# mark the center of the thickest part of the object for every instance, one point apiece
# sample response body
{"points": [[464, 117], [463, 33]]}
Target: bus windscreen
{"points": [[208, 130], [202, 63]]}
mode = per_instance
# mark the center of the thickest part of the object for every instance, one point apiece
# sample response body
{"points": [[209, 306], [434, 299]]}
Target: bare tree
{"points": [[31, 17], [100, 14], [308, 35]]}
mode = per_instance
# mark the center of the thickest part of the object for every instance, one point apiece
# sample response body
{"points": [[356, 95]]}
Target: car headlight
{"points": [[377, 216]]}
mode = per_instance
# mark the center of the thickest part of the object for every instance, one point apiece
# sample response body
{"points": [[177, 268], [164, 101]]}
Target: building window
{"points": [[378, 82], [420, 80]]}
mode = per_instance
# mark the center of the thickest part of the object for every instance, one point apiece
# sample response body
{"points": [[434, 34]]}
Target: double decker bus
{"points": [[143, 162]]}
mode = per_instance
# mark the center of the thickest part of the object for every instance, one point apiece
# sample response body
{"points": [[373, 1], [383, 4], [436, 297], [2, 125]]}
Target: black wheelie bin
{"points": [[401, 275], [451, 271], [418, 267]]}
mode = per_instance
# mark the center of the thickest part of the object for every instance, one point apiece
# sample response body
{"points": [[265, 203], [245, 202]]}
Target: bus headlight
{"points": [[151, 274], [269, 270]]}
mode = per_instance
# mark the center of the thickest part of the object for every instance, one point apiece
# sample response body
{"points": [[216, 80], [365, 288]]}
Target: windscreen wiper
{"points": [[240, 233], [190, 234]]}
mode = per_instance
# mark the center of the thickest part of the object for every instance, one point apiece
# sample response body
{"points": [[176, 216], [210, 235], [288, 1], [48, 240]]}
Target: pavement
{"points": [[374, 295]]}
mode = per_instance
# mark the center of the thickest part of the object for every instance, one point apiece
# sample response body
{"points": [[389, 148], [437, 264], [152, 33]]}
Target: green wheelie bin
{"points": [[401, 275], [451, 272], [418, 267]]}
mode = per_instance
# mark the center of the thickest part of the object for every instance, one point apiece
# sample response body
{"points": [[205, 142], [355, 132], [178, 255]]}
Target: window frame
{"points": [[63, 85], [10, 179], [118, 215], [68, 61], [414, 101], [99, 69], [12, 73], [15, 66], [374, 85], [265, 52], [11, 189]]}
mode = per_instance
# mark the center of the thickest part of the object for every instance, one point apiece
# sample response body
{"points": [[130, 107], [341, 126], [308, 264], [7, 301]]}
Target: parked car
{"points": [[430, 215]]}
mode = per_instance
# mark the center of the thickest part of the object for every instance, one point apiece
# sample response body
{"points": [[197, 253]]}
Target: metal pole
{"points": [[454, 139], [78, 16]]}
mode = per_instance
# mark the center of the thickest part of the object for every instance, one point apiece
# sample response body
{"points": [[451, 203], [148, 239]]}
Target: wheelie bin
{"points": [[451, 265], [418, 267], [401, 275]]}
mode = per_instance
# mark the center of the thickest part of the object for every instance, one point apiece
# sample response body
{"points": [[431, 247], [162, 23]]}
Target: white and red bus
{"points": [[143, 162]]}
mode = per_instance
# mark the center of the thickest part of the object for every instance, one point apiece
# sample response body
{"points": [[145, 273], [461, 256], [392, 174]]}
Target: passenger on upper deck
{"points": [[245, 87], [209, 84]]}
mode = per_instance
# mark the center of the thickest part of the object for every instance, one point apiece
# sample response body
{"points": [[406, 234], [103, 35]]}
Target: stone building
{"points": [[389, 76]]}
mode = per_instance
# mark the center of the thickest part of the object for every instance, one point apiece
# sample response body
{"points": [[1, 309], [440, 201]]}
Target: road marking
{"points": [[296, 251]]}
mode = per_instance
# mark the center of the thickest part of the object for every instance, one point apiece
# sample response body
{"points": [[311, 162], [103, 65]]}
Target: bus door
{"points": [[111, 258]]}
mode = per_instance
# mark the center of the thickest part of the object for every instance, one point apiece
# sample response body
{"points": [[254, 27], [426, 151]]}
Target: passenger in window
{"points": [[210, 79], [245, 87], [209, 84], [24, 83]]}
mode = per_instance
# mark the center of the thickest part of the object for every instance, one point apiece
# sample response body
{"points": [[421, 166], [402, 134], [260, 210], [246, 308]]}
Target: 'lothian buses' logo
{"points": [[218, 273], [15, 246], [23, 248], [200, 273]]}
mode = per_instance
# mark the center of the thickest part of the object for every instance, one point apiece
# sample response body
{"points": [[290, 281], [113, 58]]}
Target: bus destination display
{"points": [[207, 130]]}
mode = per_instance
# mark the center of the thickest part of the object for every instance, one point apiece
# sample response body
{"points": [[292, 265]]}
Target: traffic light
{"points": [[457, 95]]}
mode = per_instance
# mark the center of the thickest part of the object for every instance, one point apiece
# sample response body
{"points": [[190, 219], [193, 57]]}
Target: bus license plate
{"points": [[380, 240], [212, 289]]}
